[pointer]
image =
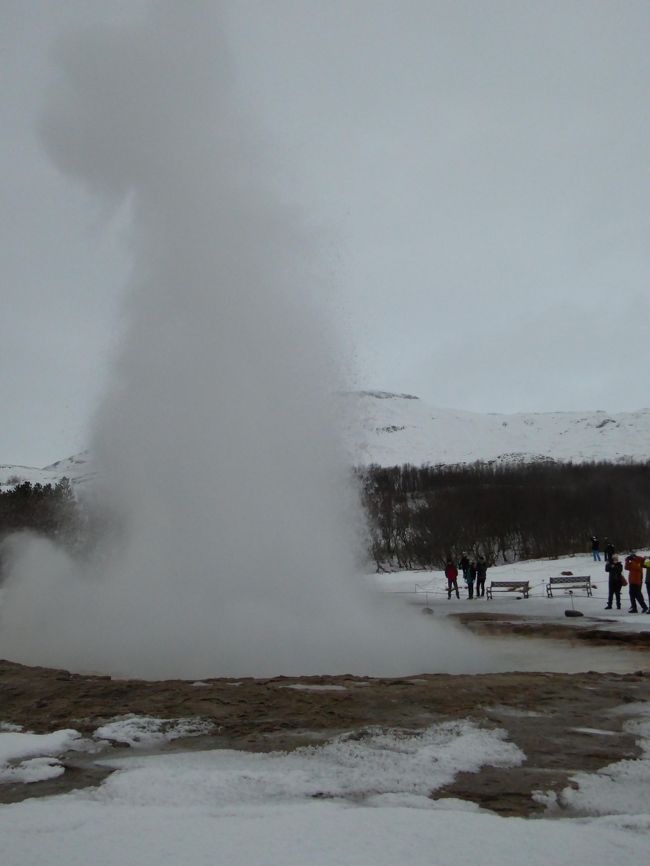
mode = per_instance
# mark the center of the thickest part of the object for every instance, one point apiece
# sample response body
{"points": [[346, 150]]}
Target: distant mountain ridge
{"points": [[78, 469], [392, 429]]}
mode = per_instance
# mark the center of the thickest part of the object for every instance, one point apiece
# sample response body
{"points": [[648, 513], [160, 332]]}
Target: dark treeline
{"points": [[43, 508], [421, 515], [418, 516]]}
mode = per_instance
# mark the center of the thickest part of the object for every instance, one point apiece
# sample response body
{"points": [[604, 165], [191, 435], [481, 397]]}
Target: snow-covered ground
{"points": [[355, 800], [362, 801], [430, 587], [429, 590]]}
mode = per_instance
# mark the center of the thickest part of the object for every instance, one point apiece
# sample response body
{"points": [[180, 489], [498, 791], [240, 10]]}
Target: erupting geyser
{"points": [[215, 443]]}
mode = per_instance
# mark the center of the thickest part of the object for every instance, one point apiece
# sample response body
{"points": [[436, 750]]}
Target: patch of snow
{"points": [[268, 809], [33, 770], [596, 732], [30, 757], [146, 731], [350, 766], [619, 788]]}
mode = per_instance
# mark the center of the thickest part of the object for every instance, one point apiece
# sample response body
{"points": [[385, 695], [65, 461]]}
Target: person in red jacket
{"points": [[451, 573], [634, 568]]}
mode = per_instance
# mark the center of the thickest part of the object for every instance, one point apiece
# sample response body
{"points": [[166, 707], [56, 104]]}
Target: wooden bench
{"points": [[508, 586], [569, 582]]}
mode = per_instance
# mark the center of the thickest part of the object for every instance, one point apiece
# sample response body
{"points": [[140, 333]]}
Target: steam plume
{"points": [[215, 443]]}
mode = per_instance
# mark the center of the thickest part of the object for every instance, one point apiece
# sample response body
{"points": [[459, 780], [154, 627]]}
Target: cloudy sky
{"points": [[476, 175]]}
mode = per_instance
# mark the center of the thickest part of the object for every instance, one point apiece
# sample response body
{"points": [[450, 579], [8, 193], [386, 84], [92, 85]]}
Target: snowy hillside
{"points": [[76, 468], [391, 429]]}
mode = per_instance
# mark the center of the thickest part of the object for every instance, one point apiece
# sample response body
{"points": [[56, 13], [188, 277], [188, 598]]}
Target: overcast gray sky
{"points": [[477, 175]]}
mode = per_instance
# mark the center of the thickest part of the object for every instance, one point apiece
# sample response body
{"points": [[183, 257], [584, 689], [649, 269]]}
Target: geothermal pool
{"points": [[555, 655]]}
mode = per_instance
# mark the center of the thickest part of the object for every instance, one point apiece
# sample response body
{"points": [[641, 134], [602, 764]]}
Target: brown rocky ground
{"points": [[542, 713]]}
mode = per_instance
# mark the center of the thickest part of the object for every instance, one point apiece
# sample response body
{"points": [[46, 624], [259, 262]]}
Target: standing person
{"points": [[634, 568], [615, 569], [595, 548], [481, 574], [471, 577], [646, 565], [609, 550], [451, 573], [463, 564]]}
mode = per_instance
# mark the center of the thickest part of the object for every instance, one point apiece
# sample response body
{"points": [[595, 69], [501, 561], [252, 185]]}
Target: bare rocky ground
{"points": [[554, 718]]}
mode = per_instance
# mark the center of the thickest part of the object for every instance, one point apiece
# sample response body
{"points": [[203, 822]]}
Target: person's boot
{"points": [[608, 607]]}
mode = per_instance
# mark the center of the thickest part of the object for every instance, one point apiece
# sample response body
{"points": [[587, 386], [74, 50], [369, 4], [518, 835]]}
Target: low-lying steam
{"points": [[215, 445]]}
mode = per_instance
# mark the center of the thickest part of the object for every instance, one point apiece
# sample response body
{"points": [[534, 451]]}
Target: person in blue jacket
{"points": [[595, 548]]}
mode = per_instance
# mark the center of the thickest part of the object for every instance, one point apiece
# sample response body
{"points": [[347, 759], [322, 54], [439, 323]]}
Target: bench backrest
{"points": [[509, 583], [571, 579]]}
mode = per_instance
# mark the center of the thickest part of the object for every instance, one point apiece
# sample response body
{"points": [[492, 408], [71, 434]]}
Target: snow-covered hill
{"points": [[390, 429], [78, 469]]}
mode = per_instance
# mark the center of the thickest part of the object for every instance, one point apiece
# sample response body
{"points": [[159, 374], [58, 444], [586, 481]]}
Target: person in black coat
{"points": [[471, 577], [481, 574], [609, 551], [615, 570]]}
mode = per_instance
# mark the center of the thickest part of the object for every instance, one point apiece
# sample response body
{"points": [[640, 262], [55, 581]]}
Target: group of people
{"points": [[635, 565], [472, 571], [608, 549], [475, 572]]}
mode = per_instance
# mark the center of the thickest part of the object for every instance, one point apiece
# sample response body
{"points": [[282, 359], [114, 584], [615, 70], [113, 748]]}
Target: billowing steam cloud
{"points": [[215, 443]]}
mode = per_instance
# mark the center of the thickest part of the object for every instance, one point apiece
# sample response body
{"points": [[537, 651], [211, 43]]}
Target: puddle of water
{"points": [[300, 687], [553, 655], [515, 712]]}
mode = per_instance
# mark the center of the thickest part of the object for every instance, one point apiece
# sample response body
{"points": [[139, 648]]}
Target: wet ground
{"points": [[569, 646], [563, 722]]}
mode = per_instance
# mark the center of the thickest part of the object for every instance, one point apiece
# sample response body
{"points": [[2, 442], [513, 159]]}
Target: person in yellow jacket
{"points": [[634, 568]]}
